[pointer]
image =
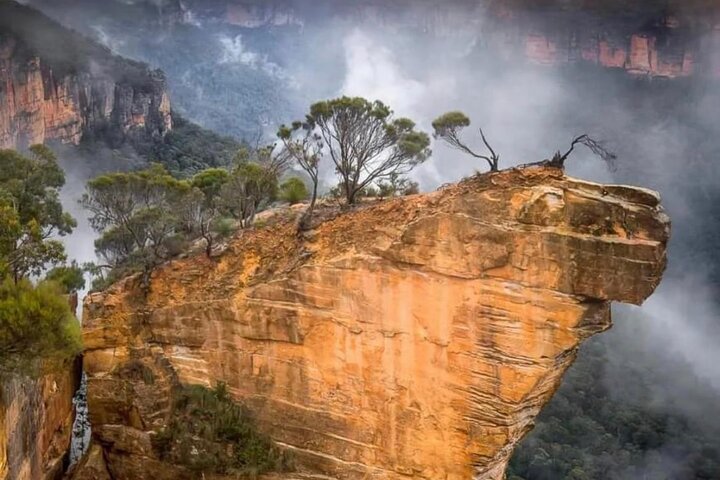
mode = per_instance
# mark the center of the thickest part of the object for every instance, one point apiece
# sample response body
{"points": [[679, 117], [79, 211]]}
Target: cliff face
{"points": [[36, 417], [655, 46], [57, 85], [414, 339], [645, 41]]}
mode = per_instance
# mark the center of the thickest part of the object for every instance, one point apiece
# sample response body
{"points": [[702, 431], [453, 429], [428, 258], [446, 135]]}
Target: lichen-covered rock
{"points": [[417, 338]]}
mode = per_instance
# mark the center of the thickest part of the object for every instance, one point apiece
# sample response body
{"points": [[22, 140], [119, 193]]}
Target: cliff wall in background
{"points": [[650, 41], [414, 339], [57, 85], [36, 418]]}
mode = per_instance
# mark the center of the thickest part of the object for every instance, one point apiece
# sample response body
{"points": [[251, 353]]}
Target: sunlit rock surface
{"points": [[417, 338]]}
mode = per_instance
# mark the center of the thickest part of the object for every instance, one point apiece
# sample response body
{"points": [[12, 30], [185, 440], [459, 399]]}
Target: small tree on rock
{"points": [[365, 142], [203, 205], [448, 128], [304, 146], [250, 187]]}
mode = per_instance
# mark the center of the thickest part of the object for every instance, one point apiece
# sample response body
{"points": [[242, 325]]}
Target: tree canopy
{"points": [[31, 213], [304, 146], [35, 320], [449, 126], [139, 217], [366, 142]]}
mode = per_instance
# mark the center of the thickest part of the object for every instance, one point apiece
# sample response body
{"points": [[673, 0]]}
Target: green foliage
{"points": [[448, 128], [148, 216], [396, 185], [35, 322], [365, 142], [71, 278], [210, 182], [31, 212], [188, 148], [293, 190], [588, 432], [251, 187], [450, 121], [208, 433], [304, 146], [142, 218]]}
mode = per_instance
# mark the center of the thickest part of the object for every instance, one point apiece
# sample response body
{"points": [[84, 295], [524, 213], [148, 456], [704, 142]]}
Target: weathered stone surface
{"points": [[36, 417], [414, 339]]}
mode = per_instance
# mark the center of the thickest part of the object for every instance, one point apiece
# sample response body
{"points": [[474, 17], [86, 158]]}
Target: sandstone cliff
{"points": [[36, 418], [414, 339], [56, 85], [647, 40]]}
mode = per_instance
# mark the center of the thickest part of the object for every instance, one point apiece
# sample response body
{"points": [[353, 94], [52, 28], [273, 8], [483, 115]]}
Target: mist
{"points": [[665, 133]]}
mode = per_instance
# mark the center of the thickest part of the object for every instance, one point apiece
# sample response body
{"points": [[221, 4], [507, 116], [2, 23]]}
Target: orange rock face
{"points": [[641, 56], [36, 106], [414, 339], [36, 417]]}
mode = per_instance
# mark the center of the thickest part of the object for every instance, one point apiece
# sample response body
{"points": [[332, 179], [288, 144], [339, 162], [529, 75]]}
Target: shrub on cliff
{"points": [[293, 190], [140, 217], [209, 433], [35, 322]]}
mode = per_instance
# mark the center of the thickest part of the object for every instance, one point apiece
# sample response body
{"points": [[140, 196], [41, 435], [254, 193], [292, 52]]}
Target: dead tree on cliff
{"points": [[595, 147], [448, 127]]}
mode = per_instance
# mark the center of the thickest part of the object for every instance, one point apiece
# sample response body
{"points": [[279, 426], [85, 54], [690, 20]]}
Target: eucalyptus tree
{"points": [[366, 142], [31, 215], [448, 128]]}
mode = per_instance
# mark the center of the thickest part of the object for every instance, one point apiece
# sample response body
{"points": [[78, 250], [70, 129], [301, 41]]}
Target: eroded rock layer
{"points": [[414, 339]]}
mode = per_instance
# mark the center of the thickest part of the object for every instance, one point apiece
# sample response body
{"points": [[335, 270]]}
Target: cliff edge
{"points": [[417, 338]]}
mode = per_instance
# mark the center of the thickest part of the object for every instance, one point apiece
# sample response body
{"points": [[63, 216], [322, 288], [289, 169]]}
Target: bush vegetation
{"points": [[591, 432], [35, 319], [209, 433], [293, 190]]}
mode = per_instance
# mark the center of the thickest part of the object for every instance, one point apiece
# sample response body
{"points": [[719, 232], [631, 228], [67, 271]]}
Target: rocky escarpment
{"points": [[649, 40], [36, 418], [414, 339], [57, 85]]}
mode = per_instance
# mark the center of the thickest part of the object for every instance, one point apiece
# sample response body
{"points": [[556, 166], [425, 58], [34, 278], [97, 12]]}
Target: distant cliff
{"points": [[57, 85], [414, 339], [651, 39]]}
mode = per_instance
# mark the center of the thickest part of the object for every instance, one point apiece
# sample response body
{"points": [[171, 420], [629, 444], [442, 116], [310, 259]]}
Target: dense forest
{"points": [[619, 416]]}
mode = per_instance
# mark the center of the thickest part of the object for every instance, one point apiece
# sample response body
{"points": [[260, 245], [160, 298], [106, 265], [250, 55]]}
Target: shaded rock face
{"points": [[414, 339], [644, 41], [37, 106], [36, 418]]}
